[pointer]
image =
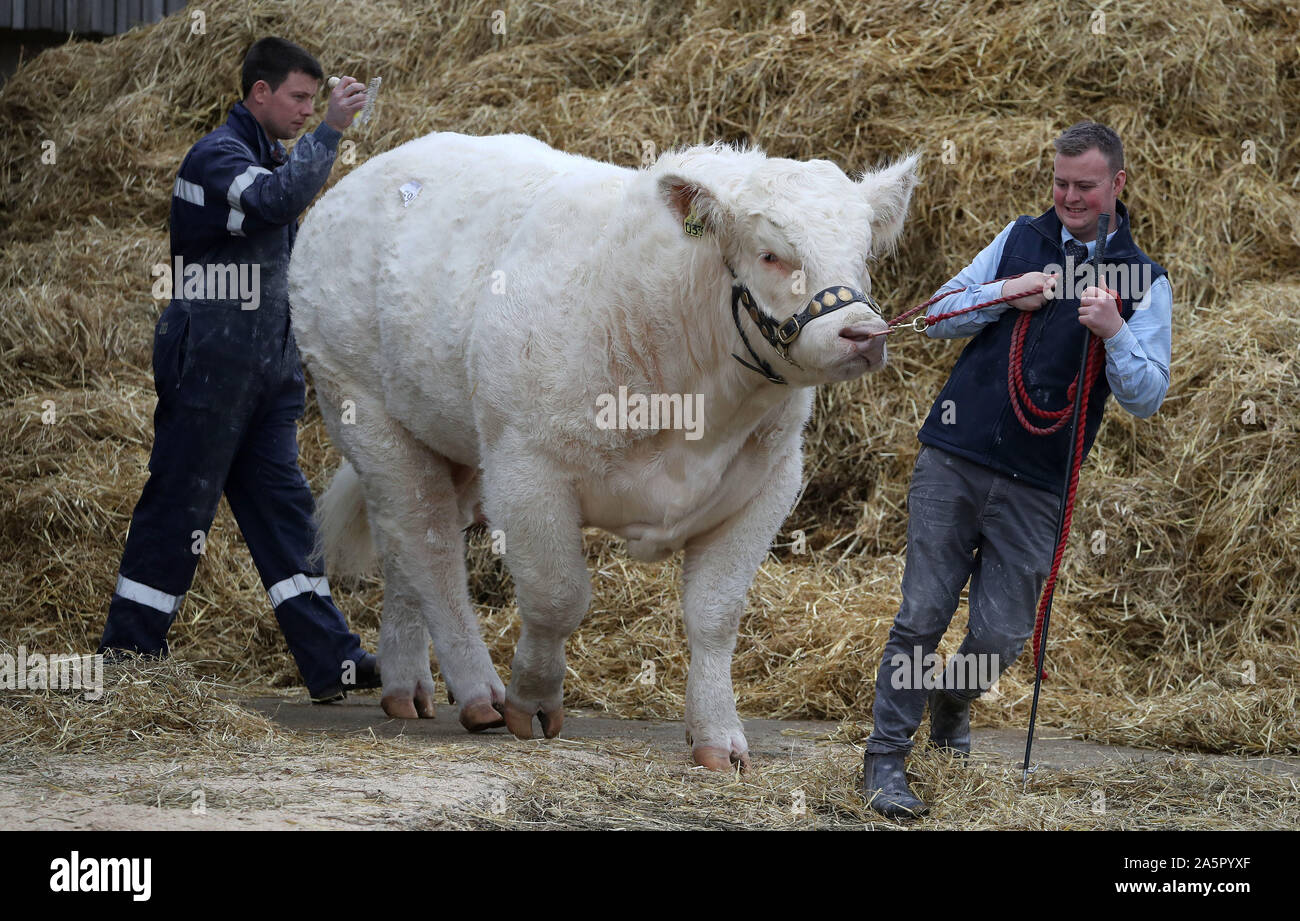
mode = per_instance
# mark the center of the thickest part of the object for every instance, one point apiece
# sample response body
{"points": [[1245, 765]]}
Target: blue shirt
{"points": [[1137, 356]]}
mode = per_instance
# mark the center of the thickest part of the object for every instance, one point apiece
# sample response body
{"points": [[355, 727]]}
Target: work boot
{"points": [[884, 783], [367, 673], [367, 676], [949, 722]]}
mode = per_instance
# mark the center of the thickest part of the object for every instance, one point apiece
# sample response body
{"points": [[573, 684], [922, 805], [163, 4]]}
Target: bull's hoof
{"points": [[720, 759], [400, 706], [478, 715], [552, 723], [520, 722]]}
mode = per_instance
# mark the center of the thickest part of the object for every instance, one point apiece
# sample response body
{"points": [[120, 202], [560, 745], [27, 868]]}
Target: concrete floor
{"points": [[767, 738]]}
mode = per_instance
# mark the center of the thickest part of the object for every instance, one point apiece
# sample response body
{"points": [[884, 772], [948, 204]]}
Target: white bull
{"points": [[469, 308]]}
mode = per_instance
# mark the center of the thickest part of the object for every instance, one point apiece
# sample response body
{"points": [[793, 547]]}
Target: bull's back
{"points": [[393, 263]]}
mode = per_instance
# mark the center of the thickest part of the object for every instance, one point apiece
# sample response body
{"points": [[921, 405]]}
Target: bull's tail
{"points": [[343, 541]]}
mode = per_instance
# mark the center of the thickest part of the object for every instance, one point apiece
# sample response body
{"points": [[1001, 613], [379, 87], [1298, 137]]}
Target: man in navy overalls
{"points": [[230, 386], [985, 492]]}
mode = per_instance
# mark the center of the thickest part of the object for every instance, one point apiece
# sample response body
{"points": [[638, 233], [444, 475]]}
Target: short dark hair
{"points": [[273, 59], [1084, 136]]}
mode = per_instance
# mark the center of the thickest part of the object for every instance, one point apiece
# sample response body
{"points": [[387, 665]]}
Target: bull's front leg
{"points": [[716, 575], [535, 506]]}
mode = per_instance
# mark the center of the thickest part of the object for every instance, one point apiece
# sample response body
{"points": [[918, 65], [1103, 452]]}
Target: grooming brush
{"points": [[372, 93]]}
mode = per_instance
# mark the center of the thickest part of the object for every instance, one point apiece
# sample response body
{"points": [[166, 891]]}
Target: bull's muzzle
{"points": [[867, 338], [781, 335]]}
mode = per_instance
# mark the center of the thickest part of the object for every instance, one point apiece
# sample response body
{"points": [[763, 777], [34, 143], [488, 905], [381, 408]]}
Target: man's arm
{"points": [[973, 278], [259, 198], [1137, 356], [256, 197]]}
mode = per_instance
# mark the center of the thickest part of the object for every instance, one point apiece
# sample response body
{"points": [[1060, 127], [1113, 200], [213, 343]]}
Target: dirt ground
{"points": [[348, 767]]}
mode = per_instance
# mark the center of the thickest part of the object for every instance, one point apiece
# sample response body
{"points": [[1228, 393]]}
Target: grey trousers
{"points": [[965, 522]]}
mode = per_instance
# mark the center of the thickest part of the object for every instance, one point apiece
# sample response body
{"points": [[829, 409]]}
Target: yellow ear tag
{"points": [[693, 225]]}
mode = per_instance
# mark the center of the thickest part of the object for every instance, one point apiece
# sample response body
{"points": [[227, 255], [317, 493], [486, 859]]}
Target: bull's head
{"points": [[797, 238]]}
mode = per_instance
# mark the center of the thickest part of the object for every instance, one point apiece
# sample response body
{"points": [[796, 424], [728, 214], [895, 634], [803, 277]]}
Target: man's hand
{"points": [[1099, 311], [1028, 282], [346, 100]]}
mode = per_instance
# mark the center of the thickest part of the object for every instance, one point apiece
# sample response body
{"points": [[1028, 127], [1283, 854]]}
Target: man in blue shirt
{"points": [[985, 492], [229, 383]]}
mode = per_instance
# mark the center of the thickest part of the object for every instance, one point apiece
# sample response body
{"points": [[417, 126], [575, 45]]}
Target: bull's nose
{"points": [[866, 340], [865, 331]]}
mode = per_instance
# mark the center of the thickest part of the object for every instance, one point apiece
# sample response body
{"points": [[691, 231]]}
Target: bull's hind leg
{"points": [[535, 507], [716, 574], [412, 509]]}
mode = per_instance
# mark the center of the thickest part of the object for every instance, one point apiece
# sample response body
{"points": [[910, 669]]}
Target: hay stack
{"points": [[1198, 585]]}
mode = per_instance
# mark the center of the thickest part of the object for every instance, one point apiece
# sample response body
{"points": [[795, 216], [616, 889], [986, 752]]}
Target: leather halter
{"points": [[781, 335]]}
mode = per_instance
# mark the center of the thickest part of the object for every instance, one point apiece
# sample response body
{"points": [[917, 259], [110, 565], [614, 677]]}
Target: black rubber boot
{"points": [[368, 673], [949, 722], [367, 676], [884, 783]]}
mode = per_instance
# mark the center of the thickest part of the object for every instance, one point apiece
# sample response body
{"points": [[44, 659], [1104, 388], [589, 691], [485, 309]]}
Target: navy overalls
{"points": [[230, 391]]}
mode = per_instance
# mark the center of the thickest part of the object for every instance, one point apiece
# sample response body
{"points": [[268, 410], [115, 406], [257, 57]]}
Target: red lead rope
{"points": [[1023, 405], [1091, 370]]}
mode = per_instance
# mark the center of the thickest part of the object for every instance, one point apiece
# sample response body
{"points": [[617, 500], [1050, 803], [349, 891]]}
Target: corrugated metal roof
{"points": [[85, 17]]}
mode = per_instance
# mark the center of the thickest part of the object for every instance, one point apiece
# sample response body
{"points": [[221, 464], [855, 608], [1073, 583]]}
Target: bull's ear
{"points": [[687, 199], [888, 191]]}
